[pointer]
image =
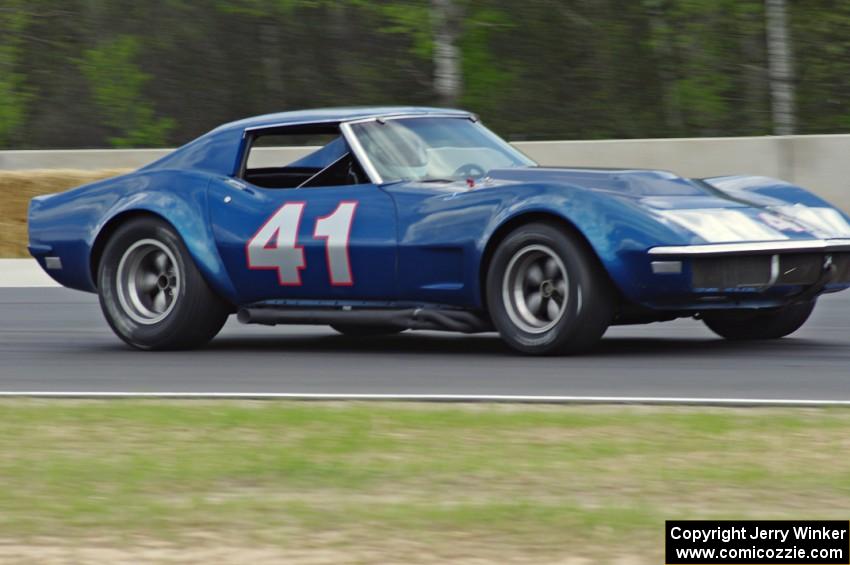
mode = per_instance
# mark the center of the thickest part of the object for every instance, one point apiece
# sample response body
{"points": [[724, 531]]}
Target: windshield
{"points": [[423, 149]]}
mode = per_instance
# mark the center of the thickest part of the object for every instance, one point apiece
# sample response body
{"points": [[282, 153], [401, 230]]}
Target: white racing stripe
{"points": [[456, 398], [722, 225]]}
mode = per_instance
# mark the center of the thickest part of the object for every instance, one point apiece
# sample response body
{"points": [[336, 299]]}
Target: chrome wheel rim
{"points": [[536, 289], [148, 282]]}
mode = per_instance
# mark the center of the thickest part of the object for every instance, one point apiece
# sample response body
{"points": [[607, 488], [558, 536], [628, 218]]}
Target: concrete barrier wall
{"points": [[820, 163], [90, 159], [79, 159]]}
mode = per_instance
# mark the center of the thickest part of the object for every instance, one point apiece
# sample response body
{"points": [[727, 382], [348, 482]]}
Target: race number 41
{"points": [[275, 245]]}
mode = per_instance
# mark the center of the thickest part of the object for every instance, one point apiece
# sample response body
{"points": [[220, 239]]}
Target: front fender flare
{"points": [[617, 229]]}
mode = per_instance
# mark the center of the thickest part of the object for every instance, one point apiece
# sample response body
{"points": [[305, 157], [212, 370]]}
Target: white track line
{"points": [[23, 273], [503, 398]]}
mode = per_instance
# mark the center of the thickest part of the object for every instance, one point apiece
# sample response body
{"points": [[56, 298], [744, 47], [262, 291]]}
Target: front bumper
{"points": [[753, 248], [758, 274]]}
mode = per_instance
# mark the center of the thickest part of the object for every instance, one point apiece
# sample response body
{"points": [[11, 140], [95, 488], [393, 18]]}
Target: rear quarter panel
{"points": [[69, 223]]}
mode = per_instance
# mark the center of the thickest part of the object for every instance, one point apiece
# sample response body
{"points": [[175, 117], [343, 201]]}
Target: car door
{"points": [[331, 243]]}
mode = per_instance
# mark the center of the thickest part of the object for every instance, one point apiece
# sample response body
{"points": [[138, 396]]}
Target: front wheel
{"points": [[547, 293], [756, 324], [151, 292]]}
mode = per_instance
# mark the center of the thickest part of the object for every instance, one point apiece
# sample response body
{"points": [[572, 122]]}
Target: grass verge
{"points": [[16, 190], [334, 483]]}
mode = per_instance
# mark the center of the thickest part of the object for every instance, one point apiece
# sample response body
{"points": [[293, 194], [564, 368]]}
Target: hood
{"points": [[702, 213], [633, 183]]}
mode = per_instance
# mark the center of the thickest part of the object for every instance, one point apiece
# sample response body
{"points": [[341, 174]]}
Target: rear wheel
{"points": [[547, 293], [151, 292], [757, 324]]}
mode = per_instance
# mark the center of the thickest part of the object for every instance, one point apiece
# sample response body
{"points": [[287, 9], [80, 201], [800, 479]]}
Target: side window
{"points": [[297, 158]]}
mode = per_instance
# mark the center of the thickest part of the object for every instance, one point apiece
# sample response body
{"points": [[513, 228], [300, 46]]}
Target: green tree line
{"points": [[122, 73]]}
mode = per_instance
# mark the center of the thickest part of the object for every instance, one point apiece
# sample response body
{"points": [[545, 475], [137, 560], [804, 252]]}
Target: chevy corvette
{"points": [[379, 220]]}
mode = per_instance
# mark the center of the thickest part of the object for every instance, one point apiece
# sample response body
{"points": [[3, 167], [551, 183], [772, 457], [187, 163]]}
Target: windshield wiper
{"points": [[437, 180]]}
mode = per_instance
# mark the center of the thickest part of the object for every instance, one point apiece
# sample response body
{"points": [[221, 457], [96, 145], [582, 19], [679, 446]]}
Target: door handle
{"points": [[239, 185]]}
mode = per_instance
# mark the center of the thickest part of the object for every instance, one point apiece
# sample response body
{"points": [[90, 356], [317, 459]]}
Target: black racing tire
{"points": [[180, 311], [572, 277], [353, 330], [759, 324]]}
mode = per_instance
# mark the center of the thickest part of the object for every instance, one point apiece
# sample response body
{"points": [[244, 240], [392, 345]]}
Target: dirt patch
{"points": [[55, 552], [17, 188]]}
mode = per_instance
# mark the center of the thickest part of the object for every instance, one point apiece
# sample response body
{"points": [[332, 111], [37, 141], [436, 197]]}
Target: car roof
{"points": [[219, 151], [332, 115]]}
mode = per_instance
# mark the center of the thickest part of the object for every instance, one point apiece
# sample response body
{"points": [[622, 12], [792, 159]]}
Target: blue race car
{"points": [[421, 218]]}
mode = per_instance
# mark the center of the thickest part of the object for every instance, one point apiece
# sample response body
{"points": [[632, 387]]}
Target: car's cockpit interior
{"points": [[333, 164]]}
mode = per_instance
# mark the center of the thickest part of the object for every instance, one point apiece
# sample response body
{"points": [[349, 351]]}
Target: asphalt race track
{"points": [[55, 339]]}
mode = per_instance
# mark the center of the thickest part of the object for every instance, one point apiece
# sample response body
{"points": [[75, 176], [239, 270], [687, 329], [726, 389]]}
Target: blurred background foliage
{"points": [[122, 73]]}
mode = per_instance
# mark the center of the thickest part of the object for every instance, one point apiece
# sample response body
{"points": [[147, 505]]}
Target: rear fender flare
{"points": [[187, 215]]}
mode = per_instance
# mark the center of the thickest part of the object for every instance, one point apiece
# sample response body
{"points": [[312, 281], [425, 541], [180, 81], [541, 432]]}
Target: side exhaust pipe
{"points": [[435, 319]]}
